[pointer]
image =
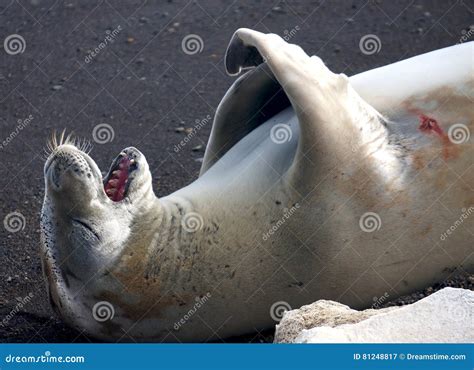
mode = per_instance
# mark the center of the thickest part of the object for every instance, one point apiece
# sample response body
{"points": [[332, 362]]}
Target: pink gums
{"points": [[115, 187]]}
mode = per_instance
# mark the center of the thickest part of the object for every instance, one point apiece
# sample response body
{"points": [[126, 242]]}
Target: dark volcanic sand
{"points": [[145, 86]]}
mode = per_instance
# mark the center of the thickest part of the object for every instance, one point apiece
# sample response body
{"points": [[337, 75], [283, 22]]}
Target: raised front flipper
{"points": [[251, 100], [333, 118]]}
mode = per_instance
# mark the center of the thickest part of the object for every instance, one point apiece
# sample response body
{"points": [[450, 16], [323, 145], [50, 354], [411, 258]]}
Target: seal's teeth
{"points": [[113, 182], [116, 184], [111, 191]]}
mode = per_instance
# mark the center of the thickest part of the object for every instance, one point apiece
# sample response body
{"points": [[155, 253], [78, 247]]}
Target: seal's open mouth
{"points": [[117, 181]]}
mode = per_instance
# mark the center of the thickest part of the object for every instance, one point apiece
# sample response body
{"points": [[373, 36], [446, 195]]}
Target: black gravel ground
{"points": [[149, 91]]}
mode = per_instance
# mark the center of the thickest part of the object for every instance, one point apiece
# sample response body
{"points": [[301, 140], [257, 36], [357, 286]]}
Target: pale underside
{"points": [[415, 179], [281, 217]]}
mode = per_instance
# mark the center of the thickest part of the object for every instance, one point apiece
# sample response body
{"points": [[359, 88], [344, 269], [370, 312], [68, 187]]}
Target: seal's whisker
{"points": [[46, 150], [57, 139], [61, 137], [54, 142], [86, 146]]}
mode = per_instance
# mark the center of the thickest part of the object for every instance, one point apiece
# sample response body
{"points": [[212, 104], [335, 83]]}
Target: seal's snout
{"points": [[67, 165], [71, 174]]}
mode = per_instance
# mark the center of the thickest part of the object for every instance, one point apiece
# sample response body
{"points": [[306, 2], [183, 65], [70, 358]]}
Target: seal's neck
{"points": [[163, 245]]}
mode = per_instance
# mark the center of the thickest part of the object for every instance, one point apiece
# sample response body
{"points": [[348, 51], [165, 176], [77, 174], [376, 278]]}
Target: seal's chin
{"points": [[118, 179]]}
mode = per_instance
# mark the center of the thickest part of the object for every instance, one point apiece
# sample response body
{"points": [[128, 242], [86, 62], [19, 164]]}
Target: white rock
{"points": [[445, 316], [319, 314]]}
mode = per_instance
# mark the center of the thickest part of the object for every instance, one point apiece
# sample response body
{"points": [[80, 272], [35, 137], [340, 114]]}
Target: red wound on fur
{"points": [[428, 124]]}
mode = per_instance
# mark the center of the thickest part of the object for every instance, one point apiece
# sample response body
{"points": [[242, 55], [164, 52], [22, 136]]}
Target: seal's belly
{"points": [[395, 222], [362, 225]]}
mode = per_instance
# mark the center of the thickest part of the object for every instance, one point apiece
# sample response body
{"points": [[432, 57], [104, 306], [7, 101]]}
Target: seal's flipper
{"points": [[238, 56], [331, 115], [251, 100]]}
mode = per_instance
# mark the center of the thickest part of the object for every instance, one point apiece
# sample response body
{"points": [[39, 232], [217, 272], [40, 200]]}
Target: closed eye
{"points": [[84, 225]]}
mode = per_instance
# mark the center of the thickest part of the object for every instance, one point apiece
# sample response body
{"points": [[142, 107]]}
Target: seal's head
{"points": [[73, 178], [87, 220]]}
